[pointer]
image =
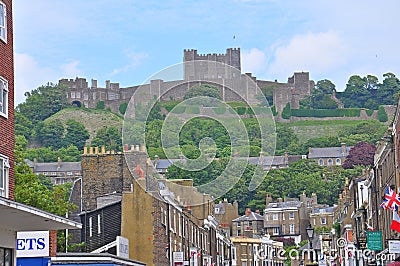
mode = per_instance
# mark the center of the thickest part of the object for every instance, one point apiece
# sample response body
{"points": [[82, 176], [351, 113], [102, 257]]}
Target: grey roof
{"points": [[268, 160], [221, 208], [327, 209], [284, 204], [330, 152], [56, 167], [252, 217]]}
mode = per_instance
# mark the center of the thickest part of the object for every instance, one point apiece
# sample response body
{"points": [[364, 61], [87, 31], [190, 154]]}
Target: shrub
{"points": [[178, 110], [241, 110], [382, 115], [326, 112], [122, 108], [100, 105], [369, 112], [286, 112], [192, 110]]}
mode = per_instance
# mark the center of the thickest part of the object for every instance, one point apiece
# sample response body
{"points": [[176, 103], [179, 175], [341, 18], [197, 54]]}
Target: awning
{"points": [[18, 217]]}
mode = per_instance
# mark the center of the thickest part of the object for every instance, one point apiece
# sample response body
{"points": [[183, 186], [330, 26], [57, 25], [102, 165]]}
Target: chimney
{"points": [[262, 158], [58, 162], [107, 84], [344, 149], [268, 199], [258, 211], [126, 147], [156, 158], [280, 200], [248, 212]]}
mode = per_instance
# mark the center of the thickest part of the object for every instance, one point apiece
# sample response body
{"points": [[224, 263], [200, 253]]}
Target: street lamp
{"points": [[310, 234]]}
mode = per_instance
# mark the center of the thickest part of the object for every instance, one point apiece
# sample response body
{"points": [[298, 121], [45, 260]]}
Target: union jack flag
{"points": [[391, 201]]}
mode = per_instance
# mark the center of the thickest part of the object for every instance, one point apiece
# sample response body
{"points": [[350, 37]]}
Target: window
{"points": [[238, 224], [4, 167], [250, 223], [99, 224], [321, 162], [330, 162], [239, 233], [291, 229], [275, 217], [283, 216], [3, 96], [291, 215], [323, 220], [338, 161], [276, 231], [3, 22], [90, 226], [6, 257]]}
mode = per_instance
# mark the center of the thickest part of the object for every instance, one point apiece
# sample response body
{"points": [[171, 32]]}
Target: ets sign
{"points": [[32, 244]]}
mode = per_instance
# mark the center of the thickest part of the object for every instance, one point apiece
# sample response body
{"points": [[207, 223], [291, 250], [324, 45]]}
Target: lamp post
{"points": [[81, 208], [310, 234]]}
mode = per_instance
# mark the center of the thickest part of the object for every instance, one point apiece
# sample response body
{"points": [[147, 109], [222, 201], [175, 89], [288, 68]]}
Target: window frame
{"points": [[275, 216], [4, 169], [323, 220], [291, 215], [275, 231], [3, 96], [4, 38], [292, 229]]}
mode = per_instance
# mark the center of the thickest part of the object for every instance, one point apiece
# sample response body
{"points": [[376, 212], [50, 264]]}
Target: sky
{"points": [[127, 41]]}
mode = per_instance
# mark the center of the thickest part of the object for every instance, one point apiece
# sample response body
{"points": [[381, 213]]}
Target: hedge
{"points": [[354, 112], [219, 110]]}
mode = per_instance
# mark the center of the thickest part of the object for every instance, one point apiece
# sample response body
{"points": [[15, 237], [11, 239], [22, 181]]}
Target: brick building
{"points": [[160, 218], [251, 224], [224, 213], [329, 156], [15, 216]]}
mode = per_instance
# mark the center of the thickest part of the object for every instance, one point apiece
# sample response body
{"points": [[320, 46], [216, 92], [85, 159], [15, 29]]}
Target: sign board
{"points": [[321, 260], [178, 256], [394, 246], [33, 244], [362, 242], [122, 247], [374, 240]]}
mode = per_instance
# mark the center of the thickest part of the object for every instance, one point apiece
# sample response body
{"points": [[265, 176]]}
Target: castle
{"points": [[221, 70]]}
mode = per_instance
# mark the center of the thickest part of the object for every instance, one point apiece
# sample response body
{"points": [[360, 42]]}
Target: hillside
{"points": [[92, 119]]}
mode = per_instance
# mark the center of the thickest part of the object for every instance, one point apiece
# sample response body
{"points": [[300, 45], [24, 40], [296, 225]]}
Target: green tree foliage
{"points": [[122, 108], [203, 90], [69, 154], [43, 102], [286, 139], [50, 133], [382, 115], [76, 135], [109, 137], [100, 105], [23, 125], [286, 112]]}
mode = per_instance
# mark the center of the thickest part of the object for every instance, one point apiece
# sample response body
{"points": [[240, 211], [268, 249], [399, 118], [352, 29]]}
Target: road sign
{"points": [[374, 240], [362, 242]]}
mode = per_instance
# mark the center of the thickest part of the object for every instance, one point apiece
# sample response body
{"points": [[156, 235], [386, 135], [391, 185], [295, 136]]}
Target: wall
{"points": [[7, 72]]}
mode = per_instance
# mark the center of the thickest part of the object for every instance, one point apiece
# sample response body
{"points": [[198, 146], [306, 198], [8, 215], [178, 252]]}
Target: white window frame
{"points": [[323, 220], [338, 161], [291, 215], [321, 162], [99, 224], [275, 231], [4, 172], [275, 217], [3, 28], [330, 162], [90, 226], [291, 229], [3, 96]]}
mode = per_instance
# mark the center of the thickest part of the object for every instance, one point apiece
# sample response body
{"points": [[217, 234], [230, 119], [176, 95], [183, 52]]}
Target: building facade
{"points": [[251, 224], [329, 156]]}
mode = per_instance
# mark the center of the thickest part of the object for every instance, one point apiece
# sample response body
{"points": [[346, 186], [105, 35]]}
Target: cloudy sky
{"points": [[127, 41]]}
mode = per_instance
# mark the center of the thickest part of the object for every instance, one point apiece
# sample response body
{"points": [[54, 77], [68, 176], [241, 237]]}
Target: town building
{"points": [[16, 216], [162, 220], [329, 156], [59, 172], [224, 213], [251, 224]]}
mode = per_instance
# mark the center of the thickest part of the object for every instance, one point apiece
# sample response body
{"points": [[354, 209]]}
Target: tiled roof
{"points": [[56, 167], [252, 217], [331, 152], [284, 204]]}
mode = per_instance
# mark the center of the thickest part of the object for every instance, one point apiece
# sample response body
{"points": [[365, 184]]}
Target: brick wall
{"points": [[7, 72]]}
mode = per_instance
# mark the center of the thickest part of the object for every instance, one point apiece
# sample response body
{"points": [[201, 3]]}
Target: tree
{"points": [[109, 137], [76, 135], [50, 133], [203, 90], [361, 154], [382, 115], [286, 112], [43, 102], [325, 86]]}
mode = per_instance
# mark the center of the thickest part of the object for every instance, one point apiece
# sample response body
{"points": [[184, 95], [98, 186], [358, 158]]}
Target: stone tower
{"points": [[206, 66]]}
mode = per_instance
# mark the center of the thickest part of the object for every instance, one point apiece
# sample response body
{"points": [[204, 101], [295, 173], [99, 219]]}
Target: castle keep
{"points": [[220, 70]]}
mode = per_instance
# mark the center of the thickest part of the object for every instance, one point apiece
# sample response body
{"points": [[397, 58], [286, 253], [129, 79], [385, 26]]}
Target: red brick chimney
{"points": [[53, 243], [258, 211], [248, 212]]}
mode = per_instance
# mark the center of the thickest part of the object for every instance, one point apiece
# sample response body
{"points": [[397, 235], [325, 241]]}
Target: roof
{"points": [[284, 204], [330, 152], [55, 166], [20, 217], [165, 163], [324, 210], [252, 217]]}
